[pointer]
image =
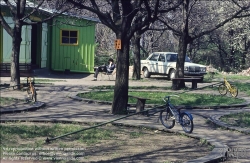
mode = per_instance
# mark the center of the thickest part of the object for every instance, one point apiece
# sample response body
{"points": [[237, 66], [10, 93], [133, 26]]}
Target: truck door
{"points": [[153, 63], [162, 67]]}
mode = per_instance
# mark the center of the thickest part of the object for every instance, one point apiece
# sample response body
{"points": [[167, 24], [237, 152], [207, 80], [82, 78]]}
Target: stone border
{"points": [[216, 119], [75, 97], [37, 105]]}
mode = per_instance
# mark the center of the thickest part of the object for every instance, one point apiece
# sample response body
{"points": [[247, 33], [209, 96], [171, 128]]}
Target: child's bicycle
{"points": [[31, 89], [171, 114], [226, 86]]}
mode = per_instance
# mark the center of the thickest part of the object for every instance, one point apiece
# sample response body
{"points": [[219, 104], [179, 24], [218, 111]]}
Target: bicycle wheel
{"points": [[167, 118], [186, 123], [234, 91], [222, 89]]}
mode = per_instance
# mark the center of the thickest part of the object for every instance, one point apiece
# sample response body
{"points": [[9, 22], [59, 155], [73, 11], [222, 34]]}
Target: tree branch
{"points": [[12, 8], [33, 11], [178, 33], [105, 18], [222, 23], [5, 24]]}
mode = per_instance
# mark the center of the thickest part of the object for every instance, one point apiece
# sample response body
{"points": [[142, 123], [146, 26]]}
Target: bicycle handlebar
{"points": [[168, 97]]}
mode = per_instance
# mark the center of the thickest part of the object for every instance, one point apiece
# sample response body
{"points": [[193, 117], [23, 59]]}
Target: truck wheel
{"points": [[146, 73], [172, 74]]}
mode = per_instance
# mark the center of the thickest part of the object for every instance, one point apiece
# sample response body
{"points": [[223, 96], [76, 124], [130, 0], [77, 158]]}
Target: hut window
{"points": [[69, 37]]}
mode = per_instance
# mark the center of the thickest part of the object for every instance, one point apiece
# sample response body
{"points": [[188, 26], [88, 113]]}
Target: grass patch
{"points": [[232, 77], [9, 100], [242, 87], [131, 87], [12, 132], [135, 134], [221, 76], [238, 119], [27, 139], [156, 98]]}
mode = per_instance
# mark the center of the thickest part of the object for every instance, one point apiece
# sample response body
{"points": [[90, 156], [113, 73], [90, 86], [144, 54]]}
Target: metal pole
{"points": [[101, 124]]}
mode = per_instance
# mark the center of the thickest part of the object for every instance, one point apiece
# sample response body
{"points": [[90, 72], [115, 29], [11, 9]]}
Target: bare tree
{"points": [[195, 23], [21, 10], [105, 41], [164, 7], [124, 19]]}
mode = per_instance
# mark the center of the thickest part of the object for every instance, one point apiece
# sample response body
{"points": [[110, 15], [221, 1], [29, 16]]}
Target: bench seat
{"points": [[25, 69], [194, 81]]}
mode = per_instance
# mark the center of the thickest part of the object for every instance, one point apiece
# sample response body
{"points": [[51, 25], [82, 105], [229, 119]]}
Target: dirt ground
{"points": [[128, 144], [150, 146]]}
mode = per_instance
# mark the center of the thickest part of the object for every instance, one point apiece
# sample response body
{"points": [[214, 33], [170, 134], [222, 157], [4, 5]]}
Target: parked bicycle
{"points": [[171, 114], [31, 89], [227, 87]]}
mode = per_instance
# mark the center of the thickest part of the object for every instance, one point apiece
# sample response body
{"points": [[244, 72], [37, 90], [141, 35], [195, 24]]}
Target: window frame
{"points": [[69, 37], [153, 58]]}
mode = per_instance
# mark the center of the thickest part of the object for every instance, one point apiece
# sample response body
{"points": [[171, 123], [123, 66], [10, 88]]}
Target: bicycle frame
{"points": [[171, 115], [177, 112], [228, 85], [174, 111]]}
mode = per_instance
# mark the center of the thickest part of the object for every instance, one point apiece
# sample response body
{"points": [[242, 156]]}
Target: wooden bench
{"points": [[175, 82], [24, 68], [140, 103]]}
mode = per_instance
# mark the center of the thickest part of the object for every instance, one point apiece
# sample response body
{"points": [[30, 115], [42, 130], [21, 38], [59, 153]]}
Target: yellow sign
{"points": [[34, 18], [118, 44]]}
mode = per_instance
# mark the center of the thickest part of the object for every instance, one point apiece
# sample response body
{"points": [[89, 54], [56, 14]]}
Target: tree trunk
{"points": [[137, 57], [180, 62], [120, 99], [182, 50], [16, 43]]}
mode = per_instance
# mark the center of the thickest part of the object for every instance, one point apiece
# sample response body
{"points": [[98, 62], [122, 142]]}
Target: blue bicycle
{"points": [[171, 114]]}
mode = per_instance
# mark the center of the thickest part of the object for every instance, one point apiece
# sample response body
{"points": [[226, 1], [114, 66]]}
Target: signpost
{"points": [[118, 44]]}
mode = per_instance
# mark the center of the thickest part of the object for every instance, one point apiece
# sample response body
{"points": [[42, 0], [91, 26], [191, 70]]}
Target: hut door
{"points": [[1, 44], [44, 45], [25, 48], [7, 42]]}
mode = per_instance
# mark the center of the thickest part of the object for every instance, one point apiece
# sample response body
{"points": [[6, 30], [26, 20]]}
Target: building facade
{"points": [[65, 43]]}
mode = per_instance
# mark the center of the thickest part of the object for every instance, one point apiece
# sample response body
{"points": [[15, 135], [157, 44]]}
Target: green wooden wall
{"points": [[76, 58], [1, 44]]}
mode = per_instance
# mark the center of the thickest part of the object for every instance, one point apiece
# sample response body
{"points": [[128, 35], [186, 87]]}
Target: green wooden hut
{"points": [[72, 46], [65, 43]]}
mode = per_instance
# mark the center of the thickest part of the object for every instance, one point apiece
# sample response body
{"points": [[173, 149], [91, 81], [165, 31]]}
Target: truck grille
{"points": [[194, 69]]}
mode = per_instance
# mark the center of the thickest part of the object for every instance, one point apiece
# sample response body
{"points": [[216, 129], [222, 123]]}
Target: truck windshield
{"points": [[173, 58]]}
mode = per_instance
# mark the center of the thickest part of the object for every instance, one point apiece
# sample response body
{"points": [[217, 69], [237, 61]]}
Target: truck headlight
{"points": [[185, 68], [203, 69]]}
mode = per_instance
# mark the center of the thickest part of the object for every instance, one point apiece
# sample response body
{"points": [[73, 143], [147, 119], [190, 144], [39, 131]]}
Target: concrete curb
{"points": [[75, 97], [35, 106], [216, 119]]}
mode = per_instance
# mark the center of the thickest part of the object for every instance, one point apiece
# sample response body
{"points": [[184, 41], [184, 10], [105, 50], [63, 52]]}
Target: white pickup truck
{"points": [[164, 63]]}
